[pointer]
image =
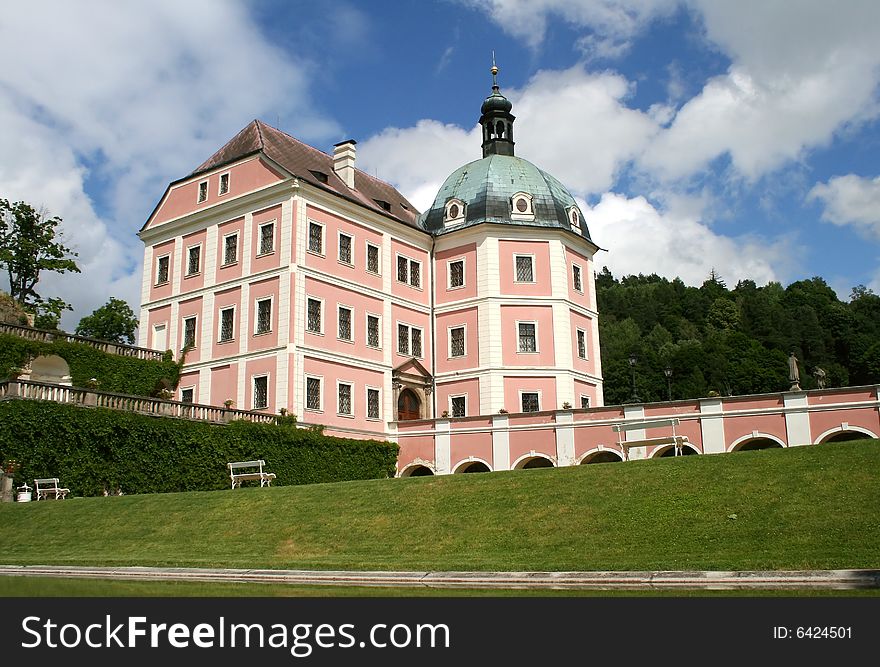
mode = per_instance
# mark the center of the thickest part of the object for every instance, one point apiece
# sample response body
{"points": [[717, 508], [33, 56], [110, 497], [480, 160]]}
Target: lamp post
{"points": [[668, 373], [632, 364]]}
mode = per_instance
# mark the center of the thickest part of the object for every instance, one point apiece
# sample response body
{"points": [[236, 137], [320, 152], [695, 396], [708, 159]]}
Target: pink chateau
{"points": [[467, 333]]}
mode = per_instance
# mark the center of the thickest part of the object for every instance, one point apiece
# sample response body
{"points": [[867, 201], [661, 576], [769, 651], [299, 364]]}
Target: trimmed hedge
{"points": [[121, 375], [91, 449]]}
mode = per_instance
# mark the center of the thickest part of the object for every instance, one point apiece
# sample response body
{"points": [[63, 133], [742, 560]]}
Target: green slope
{"points": [[806, 507]]}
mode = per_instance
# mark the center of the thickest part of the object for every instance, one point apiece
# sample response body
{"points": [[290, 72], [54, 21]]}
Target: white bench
{"points": [[49, 487], [678, 441], [249, 470]]}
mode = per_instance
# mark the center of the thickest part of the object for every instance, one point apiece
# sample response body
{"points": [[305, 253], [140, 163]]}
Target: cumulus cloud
{"points": [[120, 99], [850, 200]]}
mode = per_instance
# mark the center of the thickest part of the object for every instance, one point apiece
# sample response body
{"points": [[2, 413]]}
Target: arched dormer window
{"points": [[575, 219], [521, 207], [454, 212]]}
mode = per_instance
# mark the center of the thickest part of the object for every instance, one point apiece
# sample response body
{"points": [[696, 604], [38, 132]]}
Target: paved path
{"points": [[717, 580]]}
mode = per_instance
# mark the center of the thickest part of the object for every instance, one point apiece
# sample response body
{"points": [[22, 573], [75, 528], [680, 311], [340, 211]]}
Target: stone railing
{"points": [[43, 391], [105, 346]]}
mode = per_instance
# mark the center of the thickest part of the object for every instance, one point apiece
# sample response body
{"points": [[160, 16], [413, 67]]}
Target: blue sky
{"points": [[696, 134]]}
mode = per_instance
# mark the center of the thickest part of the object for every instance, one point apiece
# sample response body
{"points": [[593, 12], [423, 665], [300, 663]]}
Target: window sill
{"points": [[228, 264], [314, 333], [344, 263], [316, 253], [265, 254], [225, 341], [192, 275], [350, 341], [372, 273], [162, 284], [262, 333], [456, 287], [342, 414], [316, 411]]}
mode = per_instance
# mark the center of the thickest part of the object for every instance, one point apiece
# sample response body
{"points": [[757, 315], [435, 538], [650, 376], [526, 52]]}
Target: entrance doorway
{"points": [[408, 406]]}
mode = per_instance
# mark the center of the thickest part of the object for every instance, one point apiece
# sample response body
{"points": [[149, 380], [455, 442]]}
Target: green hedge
{"points": [[122, 375], [92, 448]]}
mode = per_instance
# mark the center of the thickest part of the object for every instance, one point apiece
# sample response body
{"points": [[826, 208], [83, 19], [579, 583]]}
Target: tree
{"points": [[27, 248], [114, 321]]}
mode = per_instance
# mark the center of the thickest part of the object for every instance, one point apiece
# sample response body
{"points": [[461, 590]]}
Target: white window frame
{"points": [[531, 258], [189, 249], [164, 327], [350, 386], [191, 388], [227, 236], [257, 300], [580, 270], [367, 329], [183, 320], [378, 271], [465, 397], [220, 310], [309, 250], [254, 379], [573, 212], [537, 392], [339, 259], [220, 191], [449, 263], [350, 309], [578, 331], [203, 188], [515, 213], [260, 252], [587, 406], [448, 220], [409, 339], [409, 263], [159, 258], [537, 338], [449, 329], [367, 391], [320, 379], [323, 319]]}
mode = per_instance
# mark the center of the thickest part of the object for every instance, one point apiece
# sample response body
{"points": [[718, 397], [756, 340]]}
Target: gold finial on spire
{"points": [[494, 71]]}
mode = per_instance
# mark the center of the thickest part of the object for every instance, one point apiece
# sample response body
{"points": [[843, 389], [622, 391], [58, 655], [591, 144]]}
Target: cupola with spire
{"points": [[496, 120]]}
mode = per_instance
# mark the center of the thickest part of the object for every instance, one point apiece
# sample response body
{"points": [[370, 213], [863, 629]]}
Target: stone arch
{"points": [[417, 469], [50, 368], [533, 460], [755, 441], [601, 456], [844, 433], [669, 450], [472, 464]]}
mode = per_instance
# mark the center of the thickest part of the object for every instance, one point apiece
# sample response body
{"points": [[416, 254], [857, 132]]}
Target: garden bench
{"points": [[49, 488], [242, 471], [678, 441]]}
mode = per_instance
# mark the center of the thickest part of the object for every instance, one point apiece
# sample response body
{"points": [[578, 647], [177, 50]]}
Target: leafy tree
{"points": [[28, 246], [114, 321]]}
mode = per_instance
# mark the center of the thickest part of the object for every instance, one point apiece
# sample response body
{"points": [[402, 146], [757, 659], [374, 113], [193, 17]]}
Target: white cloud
{"points": [[850, 200], [642, 239], [144, 93]]}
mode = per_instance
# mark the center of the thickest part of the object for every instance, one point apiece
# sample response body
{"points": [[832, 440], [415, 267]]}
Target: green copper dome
{"points": [[490, 190], [496, 102]]}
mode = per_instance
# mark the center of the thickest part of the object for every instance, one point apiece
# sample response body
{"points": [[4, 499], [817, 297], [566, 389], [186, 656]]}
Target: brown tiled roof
{"points": [[303, 161]]}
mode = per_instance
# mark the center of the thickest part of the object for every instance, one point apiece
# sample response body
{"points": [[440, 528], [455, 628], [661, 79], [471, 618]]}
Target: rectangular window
{"points": [[313, 320], [415, 342], [415, 274], [409, 340], [344, 399], [373, 331], [525, 271], [193, 256], [576, 278], [456, 274], [162, 265], [582, 343], [187, 395], [403, 339], [224, 184], [527, 338], [372, 403], [316, 238], [409, 271], [189, 332], [530, 401], [267, 238], [402, 268], [459, 405], [264, 316], [372, 258], [313, 393], [230, 249], [456, 342], [261, 392], [345, 248], [203, 191], [344, 323], [585, 401], [227, 324]]}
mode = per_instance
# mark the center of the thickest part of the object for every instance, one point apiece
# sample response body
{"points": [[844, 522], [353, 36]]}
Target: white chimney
{"points": [[343, 161]]}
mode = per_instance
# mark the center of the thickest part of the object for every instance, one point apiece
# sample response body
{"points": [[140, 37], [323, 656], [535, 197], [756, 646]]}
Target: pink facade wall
{"points": [[189, 308], [222, 300], [159, 316], [334, 296], [738, 427], [329, 262], [405, 290], [412, 448], [585, 324], [540, 250], [586, 297], [189, 381], [543, 317], [262, 290], [401, 314], [266, 261], [243, 177], [162, 291], [478, 445], [255, 367], [466, 253], [586, 389], [546, 386], [541, 441], [470, 388], [230, 271], [360, 378], [191, 282], [468, 318], [224, 383], [866, 418]]}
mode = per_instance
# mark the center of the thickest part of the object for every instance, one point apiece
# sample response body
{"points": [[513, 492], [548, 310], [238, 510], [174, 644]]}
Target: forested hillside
{"points": [[721, 341]]}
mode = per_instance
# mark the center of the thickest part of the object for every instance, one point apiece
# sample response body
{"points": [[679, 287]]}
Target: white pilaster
{"points": [[797, 419], [209, 261], [635, 413], [442, 453], [712, 425], [565, 439], [500, 442]]}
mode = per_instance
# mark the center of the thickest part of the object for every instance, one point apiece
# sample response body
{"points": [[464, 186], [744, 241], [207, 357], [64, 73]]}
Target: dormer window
{"points": [[575, 219], [383, 204], [319, 175], [521, 207], [455, 209]]}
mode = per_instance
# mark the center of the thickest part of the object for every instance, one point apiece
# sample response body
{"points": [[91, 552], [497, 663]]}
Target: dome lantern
{"points": [[496, 120]]}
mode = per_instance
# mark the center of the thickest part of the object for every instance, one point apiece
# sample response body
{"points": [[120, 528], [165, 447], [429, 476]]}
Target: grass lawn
{"points": [[800, 508]]}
